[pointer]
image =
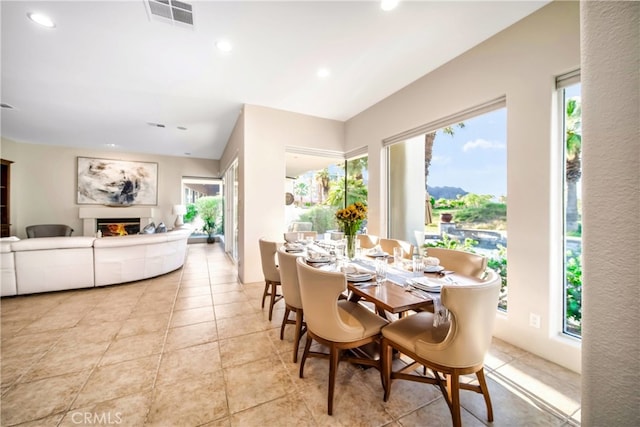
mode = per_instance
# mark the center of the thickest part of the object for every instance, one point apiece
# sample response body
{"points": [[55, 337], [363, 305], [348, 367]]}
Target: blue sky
{"points": [[475, 157]]}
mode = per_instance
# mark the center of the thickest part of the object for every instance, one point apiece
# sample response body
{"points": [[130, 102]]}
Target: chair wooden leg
{"points": [[284, 322], [274, 288], [307, 346], [296, 336], [333, 369], [386, 352], [267, 285], [453, 389], [485, 393]]}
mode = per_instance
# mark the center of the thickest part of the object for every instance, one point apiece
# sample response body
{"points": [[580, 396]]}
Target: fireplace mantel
{"points": [[90, 214]]}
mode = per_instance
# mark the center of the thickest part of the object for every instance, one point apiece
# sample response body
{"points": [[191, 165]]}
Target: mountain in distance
{"points": [[450, 193]]}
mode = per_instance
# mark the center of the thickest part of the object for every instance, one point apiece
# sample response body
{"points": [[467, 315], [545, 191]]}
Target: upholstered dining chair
{"points": [[48, 230], [271, 272], [292, 236], [461, 262], [454, 347], [292, 299], [367, 241], [387, 246], [335, 323]]}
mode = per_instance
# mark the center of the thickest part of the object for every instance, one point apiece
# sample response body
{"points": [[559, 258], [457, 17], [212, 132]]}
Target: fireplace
{"points": [[90, 215], [118, 226]]}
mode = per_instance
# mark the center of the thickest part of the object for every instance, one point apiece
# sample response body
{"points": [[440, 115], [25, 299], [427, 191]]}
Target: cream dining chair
{"points": [[465, 263], [387, 246], [292, 299], [452, 348], [292, 236], [367, 241], [268, 249], [334, 323]]}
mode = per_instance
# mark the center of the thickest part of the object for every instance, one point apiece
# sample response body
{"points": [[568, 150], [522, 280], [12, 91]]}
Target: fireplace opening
{"points": [[118, 226]]}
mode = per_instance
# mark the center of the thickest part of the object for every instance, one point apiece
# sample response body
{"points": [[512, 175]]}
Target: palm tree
{"points": [[573, 164], [323, 178], [356, 167], [429, 139], [356, 192], [301, 189]]}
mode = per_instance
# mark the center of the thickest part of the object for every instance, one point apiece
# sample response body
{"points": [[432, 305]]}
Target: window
{"points": [[569, 95], [447, 182], [203, 200], [315, 189]]}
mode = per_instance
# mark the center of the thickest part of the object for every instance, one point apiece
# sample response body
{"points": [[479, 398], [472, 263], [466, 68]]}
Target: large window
{"points": [[202, 198], [569, 94], [448, 186], [317, 186]]}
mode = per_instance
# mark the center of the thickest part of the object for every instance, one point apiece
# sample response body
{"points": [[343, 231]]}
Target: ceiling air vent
{"points": [[170, 11]]}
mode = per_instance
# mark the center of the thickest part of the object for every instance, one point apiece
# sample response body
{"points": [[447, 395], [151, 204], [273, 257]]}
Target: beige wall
{"points": [[44, 178], [611, 183], [264, 135], [521, 62]]}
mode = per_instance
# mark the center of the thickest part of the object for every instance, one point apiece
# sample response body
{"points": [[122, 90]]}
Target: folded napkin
{"points": [[426, 284], [376, 251], [441, 314], [312, 247], [430, 260], [353, 269], [293, 247]]}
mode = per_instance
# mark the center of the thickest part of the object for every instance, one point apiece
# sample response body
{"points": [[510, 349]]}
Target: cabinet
{"points": [[5, 197]]}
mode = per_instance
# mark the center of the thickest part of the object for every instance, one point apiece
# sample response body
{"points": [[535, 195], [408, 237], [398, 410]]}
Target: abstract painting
{"points": [[117, 182]]}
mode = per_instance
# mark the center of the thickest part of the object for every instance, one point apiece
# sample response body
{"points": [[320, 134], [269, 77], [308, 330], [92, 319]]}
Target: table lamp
{"points": [[179, 210]]}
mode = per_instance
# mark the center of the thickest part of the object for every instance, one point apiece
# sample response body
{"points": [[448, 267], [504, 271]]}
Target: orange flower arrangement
{"points": [[351, 217]]}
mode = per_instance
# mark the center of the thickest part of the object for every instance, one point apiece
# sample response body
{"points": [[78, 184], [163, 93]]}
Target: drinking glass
{"points": [[397, 256], [418, 266], [381, 271]]}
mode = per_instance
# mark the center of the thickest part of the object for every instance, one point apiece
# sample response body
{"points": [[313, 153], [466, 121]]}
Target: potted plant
{"points": [[210, 211]]}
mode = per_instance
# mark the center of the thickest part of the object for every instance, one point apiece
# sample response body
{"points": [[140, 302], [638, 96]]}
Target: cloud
{"points": [[441, 160], [483, 144]]}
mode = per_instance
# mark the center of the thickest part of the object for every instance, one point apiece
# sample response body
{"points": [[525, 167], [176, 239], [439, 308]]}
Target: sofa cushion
{"points": [[45, 243]]}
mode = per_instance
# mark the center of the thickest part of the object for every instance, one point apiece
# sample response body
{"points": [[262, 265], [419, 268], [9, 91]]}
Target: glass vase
{"points": [[351, 246]]}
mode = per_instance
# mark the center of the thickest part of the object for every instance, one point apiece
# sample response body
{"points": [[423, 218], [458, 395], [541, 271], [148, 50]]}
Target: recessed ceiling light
{"points": [[224, 45], [110, 145], [182, 128], [323, 73], [41, 19], [387, 5]]}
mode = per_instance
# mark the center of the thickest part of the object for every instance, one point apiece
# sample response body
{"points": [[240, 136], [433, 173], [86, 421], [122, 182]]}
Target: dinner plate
{"points": [[359, 277], [425, 284], [318, 260], [433, 268], [378, 254]]}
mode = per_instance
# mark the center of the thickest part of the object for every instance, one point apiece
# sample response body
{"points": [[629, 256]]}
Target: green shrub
{"points": [[574, 290], [210, 211], [191, 214], [489, 212], [322, 217]]}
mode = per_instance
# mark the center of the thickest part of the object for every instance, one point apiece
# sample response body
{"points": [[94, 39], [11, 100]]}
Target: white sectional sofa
{"points": [[129, 258], [7, 267], [59, 263]]}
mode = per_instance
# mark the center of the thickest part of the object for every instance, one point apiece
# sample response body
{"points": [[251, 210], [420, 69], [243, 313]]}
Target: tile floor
{"points": [[194, 348]]}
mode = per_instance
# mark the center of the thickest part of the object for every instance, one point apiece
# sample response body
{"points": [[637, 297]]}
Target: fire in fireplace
{"points": [[118, 226]]}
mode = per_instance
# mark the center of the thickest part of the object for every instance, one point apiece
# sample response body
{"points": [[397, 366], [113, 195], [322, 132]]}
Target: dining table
{"points": [[395, 295]]}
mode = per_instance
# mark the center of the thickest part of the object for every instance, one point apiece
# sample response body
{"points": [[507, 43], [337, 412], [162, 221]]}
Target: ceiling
{"points": [[109, 72]]}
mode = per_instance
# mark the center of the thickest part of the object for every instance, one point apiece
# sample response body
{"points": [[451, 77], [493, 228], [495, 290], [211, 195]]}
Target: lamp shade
{"points": [[179, 209]]}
